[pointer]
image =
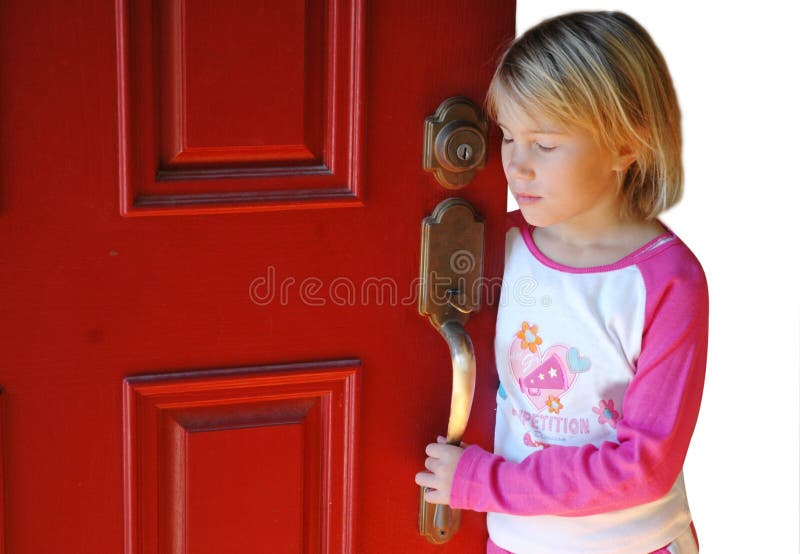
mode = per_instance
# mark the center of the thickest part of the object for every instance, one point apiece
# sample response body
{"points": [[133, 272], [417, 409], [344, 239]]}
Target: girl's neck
{"points": [[595, 234], [600, 250]]}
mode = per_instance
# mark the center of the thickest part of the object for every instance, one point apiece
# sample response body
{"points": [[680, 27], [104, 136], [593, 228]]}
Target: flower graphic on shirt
{"points": [[554, 404], [607, 413], [529, 337]]}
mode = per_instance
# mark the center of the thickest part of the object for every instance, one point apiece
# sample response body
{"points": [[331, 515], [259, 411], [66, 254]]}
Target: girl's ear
{"points": [[624, 157], [626, 154]]}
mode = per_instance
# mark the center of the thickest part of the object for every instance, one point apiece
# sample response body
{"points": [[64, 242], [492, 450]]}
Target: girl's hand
{"points": [[441, 465]]}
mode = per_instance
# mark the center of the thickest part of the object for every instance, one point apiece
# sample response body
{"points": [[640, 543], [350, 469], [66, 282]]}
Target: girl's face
{"points": [[560, 177]]}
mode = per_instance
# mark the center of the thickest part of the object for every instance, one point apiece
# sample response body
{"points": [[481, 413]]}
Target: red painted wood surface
{"points": [[245, 369], [2, 473]]}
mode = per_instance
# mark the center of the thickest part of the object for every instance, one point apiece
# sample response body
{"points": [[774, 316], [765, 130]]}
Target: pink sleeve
{"points": [[660, 409]]}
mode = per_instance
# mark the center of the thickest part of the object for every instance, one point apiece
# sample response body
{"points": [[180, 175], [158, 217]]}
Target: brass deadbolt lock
{"points": [[455, 142]]}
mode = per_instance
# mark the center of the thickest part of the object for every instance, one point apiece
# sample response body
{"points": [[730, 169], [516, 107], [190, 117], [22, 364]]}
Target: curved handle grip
{"points": [[439, 522], [463, 357]]}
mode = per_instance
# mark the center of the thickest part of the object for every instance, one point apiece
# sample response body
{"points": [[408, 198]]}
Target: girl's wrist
{"points": [[459, 492]]}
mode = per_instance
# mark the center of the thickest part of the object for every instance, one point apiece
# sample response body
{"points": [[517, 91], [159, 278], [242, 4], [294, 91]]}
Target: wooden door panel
{"points": [[239, 107], [242, 460]]}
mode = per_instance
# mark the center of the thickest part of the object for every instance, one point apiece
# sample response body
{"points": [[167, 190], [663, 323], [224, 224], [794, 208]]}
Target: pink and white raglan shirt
{"points": [[601, 374]]}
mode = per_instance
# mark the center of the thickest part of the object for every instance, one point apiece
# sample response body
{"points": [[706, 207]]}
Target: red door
{"points": [[210, 235]]}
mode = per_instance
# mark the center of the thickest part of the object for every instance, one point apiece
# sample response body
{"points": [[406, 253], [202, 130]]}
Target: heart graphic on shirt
{"points": [[577, 364], [542, 375]]}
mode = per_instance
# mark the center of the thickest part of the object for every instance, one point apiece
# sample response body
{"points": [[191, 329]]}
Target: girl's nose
{"points": [[520, 167]]}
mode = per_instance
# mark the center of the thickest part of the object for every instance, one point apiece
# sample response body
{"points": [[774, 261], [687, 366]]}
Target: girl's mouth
{"points": [[523, 199]]}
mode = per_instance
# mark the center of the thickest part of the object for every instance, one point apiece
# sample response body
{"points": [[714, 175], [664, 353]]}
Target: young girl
{"points": [[602, 325]]}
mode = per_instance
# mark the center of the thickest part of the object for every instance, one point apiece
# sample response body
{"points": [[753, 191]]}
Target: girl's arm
{"points": [[660, 410]]}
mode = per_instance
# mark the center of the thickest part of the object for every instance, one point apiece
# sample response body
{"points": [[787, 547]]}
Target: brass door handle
{"points": [[463, 357], [451, 265], [439, 522]]}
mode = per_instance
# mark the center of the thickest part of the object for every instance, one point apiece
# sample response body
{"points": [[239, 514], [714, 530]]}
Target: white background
{"points": [[735, 70]]}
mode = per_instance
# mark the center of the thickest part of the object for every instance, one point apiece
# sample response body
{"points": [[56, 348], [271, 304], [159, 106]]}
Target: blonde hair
{"points": [[601, 71]]}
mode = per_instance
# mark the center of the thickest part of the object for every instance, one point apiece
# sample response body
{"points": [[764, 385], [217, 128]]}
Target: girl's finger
{"points": [[435, 497], [430, 464], [424, 479], [432, 449]]}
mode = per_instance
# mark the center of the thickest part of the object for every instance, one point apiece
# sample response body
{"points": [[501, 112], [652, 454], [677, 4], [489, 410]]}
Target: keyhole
{"points": [[464, 152]]}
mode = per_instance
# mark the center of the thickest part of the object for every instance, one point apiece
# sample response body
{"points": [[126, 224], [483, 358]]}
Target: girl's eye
{"points": [[542, 148]]}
